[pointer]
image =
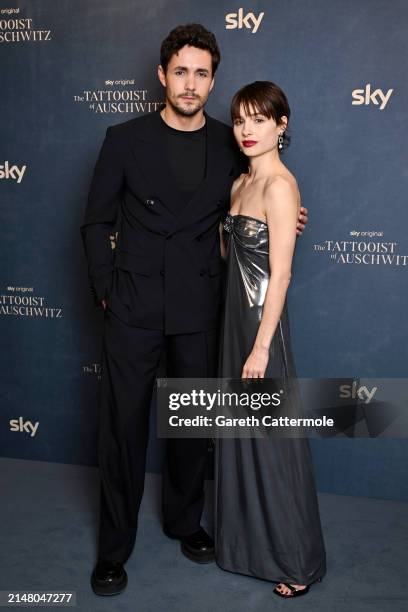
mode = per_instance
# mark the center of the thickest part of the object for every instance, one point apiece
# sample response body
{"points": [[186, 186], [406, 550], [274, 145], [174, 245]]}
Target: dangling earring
{"points": [[280, 142]]}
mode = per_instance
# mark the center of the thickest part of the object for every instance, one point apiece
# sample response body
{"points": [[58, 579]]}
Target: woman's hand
{"points": [[256, 364]]}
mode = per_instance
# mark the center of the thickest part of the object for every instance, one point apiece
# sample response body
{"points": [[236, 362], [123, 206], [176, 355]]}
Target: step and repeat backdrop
{"points": [[71, 69]]}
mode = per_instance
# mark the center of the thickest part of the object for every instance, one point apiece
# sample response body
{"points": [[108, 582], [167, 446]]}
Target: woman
{"points": [[267, 522]]}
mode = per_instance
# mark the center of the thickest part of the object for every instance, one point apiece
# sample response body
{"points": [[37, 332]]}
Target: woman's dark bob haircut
{"points": [[265, 98], [193, 34]]}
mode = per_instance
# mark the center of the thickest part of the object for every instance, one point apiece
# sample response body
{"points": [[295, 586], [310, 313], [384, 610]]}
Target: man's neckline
{"points": [[202, 128]]}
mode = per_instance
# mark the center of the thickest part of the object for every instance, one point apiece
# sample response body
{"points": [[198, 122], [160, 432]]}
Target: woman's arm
{"points": [[222, 242], [281, 210]]}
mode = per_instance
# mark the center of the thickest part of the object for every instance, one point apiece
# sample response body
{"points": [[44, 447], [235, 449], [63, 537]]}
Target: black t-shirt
{"points": [[185, 153]]}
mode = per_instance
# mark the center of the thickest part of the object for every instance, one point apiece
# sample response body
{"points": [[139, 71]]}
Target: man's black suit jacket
{"points": [[165, 272]]}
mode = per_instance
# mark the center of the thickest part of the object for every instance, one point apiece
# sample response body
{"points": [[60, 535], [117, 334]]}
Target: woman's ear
{"points": [[283, 122]]}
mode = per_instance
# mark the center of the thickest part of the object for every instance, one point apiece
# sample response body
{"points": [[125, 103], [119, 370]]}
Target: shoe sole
{"points": [[103, 593], [200, 558]]}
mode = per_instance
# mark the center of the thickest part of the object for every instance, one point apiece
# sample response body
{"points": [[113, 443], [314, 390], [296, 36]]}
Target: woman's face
{"points": [[257, 134]]}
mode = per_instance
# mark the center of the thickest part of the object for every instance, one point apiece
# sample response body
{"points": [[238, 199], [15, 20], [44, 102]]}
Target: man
{"points": [[168, 175]]}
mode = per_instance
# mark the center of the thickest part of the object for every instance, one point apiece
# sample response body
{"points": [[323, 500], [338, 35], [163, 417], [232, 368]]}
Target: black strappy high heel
{"points": [[295, 592]]}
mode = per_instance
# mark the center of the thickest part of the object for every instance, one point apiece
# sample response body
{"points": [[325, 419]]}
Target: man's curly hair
{"points": [[192, 34]]}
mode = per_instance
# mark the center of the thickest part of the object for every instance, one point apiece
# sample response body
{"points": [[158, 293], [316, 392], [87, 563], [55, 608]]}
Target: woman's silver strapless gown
{"points": [[267, 515]]}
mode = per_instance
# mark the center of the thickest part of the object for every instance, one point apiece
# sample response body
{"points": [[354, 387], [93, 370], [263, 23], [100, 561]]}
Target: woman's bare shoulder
{"points": [[238, 181], [282, 185]]}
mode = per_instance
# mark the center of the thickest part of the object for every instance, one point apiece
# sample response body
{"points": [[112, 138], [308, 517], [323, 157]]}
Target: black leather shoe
{"points": [[108, 578], [198, 546]]}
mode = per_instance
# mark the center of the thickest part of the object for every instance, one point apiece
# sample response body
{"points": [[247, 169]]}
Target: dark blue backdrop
{"points": [[66, 65]]}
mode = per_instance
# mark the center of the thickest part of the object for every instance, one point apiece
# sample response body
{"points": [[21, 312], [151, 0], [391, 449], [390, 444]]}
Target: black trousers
{"points": [[130, 359]]}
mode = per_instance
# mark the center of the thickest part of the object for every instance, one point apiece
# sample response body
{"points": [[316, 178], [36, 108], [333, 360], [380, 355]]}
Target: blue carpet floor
{"points": [[48, 538]]}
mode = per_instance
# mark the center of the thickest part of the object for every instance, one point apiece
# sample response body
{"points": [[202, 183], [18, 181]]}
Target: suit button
{"points": [[220, 202], [169, 236], [202, 272], [198, 238], [149, 202], [161, 272]]}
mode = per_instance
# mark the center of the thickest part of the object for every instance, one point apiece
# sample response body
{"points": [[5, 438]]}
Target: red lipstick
{"points": [[249, 143]]}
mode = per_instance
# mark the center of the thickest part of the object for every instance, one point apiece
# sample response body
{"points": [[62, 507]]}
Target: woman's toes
{"points": [[283, 589]]}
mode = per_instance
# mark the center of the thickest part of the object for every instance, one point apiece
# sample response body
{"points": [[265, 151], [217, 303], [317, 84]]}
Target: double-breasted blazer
{"points": [[165, 271]]}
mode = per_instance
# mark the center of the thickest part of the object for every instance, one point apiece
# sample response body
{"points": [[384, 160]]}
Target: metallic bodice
{"points": [[248, 249], [246, 282]]}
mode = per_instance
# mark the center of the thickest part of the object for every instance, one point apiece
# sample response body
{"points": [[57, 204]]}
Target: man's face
{"points": [[188, 80]]}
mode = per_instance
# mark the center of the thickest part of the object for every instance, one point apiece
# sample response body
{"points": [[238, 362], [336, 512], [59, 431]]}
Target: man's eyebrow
{"points": [[185, 68]]}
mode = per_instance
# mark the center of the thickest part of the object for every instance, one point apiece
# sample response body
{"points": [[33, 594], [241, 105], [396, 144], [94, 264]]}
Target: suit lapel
{"points": [[148, 151], [149, 154], [218, 166]]}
